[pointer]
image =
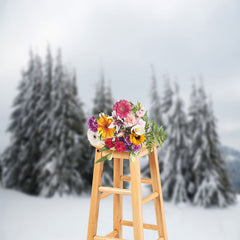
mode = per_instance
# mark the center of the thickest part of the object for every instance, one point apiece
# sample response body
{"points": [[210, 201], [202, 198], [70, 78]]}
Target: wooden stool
{"points": [[99, 192]]}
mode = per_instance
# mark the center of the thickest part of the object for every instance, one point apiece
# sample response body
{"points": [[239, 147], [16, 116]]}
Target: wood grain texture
{"points": [[106, 238], [158, 202], [112, 234], [145, 225], [143, 180], [149, 197], [115, 190], [136, 199], [95, 197], [104, 195], [117, 198]]}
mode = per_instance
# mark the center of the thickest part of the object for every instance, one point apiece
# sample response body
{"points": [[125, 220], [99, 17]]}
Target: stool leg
{"points": [[117, 198], [136, 199], [95, 197], [158, 202]]}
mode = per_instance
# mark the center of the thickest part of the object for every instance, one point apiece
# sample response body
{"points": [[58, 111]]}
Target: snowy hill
{"points": [[232, 158], [24, 217], [230, 154]]}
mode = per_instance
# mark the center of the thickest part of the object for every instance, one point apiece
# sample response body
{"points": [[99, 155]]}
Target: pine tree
{"points": [[155, 114], [176, 153], [10, 158], [45, 101], [155, 106], [20, 158], [81, 149], [109, 99], [193, 108], [212, 185], [166, 104], [59, 169], [47, 128], [167, 99], [102, 101]]}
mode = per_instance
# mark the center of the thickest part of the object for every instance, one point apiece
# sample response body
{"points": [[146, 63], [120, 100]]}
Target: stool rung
{"points": [[115, 190], [145, 225], [106, 238], [112, 234], [143, 180], [150, 197], [104, 195]]}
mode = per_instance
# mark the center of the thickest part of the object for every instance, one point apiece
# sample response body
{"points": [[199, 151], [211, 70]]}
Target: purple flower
{"points": [[136, 148], [127, 140], [126, 148], [92, 124]]}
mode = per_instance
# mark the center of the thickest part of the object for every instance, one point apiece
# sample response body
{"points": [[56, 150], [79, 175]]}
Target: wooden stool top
{"points": [[125, 155]]}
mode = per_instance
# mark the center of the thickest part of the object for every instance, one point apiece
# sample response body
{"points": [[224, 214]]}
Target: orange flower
{"points": [[104, 123]]}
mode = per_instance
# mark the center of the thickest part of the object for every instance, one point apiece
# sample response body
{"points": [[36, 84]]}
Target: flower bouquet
{"points": [[126, 130]]}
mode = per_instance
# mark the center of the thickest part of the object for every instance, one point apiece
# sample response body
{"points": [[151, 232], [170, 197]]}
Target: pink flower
{"points": [[130, 120], [141, 122], [140, 113], [122, 108]]}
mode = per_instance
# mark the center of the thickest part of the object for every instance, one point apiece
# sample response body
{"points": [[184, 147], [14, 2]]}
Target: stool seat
{"points": [[124, 155], [100, 192]]}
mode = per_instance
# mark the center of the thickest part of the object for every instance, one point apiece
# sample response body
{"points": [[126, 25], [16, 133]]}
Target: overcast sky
{"points": [[184, 38]]}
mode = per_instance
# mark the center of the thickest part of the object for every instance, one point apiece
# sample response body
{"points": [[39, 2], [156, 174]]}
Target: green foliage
{"points": [[104, 148], [153, 134], [136, 107], [106, 157], [132, 156]]}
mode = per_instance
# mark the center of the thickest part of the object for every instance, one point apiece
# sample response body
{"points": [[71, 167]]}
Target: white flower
{"points": [[117, 121], [101, 114], [114, 113], [94, 138], [138, 129]]}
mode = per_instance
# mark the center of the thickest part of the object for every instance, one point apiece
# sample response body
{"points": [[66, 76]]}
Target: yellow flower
{"points": [[104, 123], [137, 139]]}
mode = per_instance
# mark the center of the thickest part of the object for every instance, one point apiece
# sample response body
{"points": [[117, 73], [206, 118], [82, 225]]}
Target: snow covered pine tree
{"points": [[176, 152], [58, 169], [20, 158], [166, 102], [103, 102], [46, 126], [211, 182], [156, 114]]}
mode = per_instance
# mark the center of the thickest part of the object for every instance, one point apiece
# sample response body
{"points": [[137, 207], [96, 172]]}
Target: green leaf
{"points": [[131, 104], [106, 157], [104, 148], [110, 156], [132, 156]]}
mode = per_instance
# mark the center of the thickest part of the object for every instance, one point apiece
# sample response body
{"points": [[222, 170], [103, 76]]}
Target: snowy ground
{"points": [[29, 218]]}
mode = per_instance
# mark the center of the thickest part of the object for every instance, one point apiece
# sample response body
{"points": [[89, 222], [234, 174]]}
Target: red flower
{"points": [[120, 147], [109, 143]]}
